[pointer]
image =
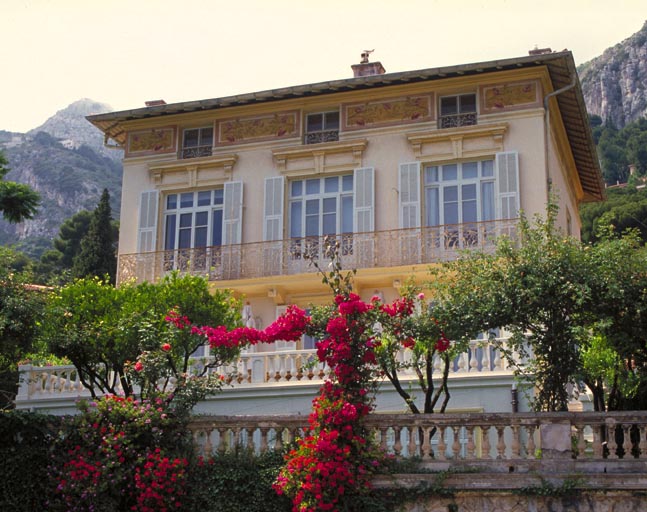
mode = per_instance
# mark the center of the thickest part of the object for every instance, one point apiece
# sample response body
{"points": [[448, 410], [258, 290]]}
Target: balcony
{"points": [[322, 136], [196, 152], [457, 120], [379, 249]]}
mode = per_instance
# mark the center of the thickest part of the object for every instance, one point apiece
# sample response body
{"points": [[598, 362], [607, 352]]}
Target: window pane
{"points": [[450, 194], [332, 121], [431, 203], [200, 237], [347, 214], [468, 103], [312, 207], [329, 205], [218, 196], [201, 218], [487, 200], [331, 185], [191, 138], [469, 203], [216, 228], [330, 223], [296, 211], [312, 225], [184, 241], [431, 174], [204, 198], [450, 172], [169, 233], [450, 211], [185, 220], [347, 183], [312, 186], [470, 170], [487, 168], [296, 188], [206, 137], [186, 200], [171, 202], [448, 105], [314, 122]]}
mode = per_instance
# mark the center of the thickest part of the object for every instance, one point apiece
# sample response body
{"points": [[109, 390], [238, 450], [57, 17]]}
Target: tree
{"points": [[536, 290], [20, 311], [18, 202], [104, 330], [97, 256]]}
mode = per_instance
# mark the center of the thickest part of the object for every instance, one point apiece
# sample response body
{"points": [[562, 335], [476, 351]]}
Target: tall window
{"points": [[322, 127], [459, 193], [193, 219], [320, 207], [459, 110], [197, 142]]}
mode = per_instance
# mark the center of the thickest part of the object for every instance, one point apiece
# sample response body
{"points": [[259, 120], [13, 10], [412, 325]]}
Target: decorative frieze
{"points": [[386, 112], [151, 142], [511, 96], [280, 125]]}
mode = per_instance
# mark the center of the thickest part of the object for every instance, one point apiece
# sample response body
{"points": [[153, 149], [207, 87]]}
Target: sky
{"points": [[125, 52]]}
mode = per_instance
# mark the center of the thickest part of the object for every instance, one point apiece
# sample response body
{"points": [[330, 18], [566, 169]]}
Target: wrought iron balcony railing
{"points": [[196, 152], [322, 136], [456, 120], [377, 249]]}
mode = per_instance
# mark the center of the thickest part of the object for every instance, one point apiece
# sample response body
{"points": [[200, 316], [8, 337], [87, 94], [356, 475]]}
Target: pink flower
{"points": [[166, 347], [421, 296], [139, 366]]}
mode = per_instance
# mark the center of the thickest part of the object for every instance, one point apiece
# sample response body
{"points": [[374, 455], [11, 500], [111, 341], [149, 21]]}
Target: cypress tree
{"points": [[97, 256]]}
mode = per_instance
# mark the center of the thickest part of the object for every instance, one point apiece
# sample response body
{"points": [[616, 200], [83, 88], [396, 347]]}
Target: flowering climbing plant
{"points": [[332, 463]]}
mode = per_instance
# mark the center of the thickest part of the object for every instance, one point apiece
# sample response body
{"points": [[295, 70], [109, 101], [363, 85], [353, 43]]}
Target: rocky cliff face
{"points": [[615, 83], [65, 162]]}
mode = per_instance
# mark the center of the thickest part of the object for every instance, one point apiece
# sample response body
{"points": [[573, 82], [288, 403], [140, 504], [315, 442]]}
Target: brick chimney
{"points": [[366, 68], [539, 51]]}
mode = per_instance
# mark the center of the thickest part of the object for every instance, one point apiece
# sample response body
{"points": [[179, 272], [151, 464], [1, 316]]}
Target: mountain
{"points": [[70, 126], [615, 83], [65, 162]]}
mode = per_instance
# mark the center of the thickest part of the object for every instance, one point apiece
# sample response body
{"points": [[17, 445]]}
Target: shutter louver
{"points": [[232, 213], [364, 200], [147, 230], [409, 195], [273, 208], [507, 177]]}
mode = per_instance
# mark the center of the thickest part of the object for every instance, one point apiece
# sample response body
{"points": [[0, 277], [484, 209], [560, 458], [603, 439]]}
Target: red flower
{"points": [[139, 366], [166, 347]]}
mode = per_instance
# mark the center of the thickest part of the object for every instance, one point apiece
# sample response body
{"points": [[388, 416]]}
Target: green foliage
{"points": [[537, 291], [97, 256], [18, 202], [20, 312], [120, 454], [25, 449], [619, 148], [237, 482], [103, 329]]}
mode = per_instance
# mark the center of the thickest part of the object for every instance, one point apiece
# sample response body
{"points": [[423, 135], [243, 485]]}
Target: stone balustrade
{"points": [[499, 441], [255, 368]]}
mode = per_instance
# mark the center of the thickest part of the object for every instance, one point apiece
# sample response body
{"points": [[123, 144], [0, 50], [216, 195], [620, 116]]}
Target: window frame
{"points": [[325, 134], [202, 149], [460, 117]]}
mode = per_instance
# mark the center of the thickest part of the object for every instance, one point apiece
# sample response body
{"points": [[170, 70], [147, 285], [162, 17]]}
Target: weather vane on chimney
{"points": [[365, 55]]}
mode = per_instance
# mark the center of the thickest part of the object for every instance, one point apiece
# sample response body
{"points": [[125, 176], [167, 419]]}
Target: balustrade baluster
{"points": [[278, 445], [249, 431], [642, 445], [485, 442], [263, 444], [498, 361], [581, 444], [531, 447], [485, 361], [383, 433], [456, 445], [412, 446], [611, 441], [474, 364], [289, 366], [500, 445], [397, 444], [471, 446], [222, 439], [627, 445], [442, 446], [515, 447], [425, 445]]}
